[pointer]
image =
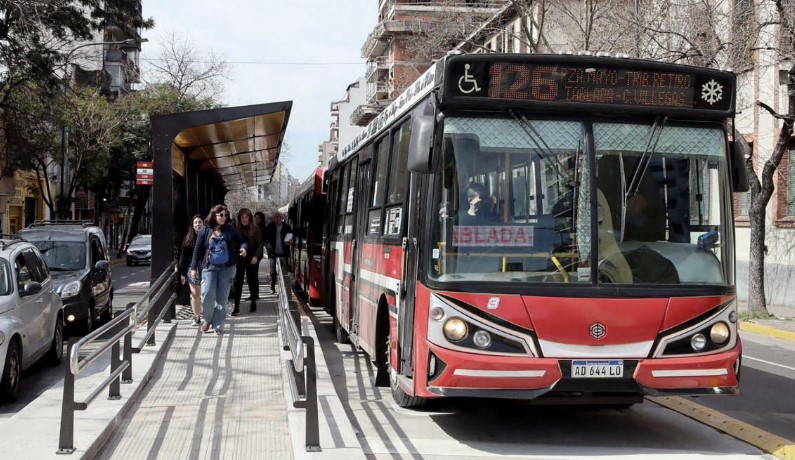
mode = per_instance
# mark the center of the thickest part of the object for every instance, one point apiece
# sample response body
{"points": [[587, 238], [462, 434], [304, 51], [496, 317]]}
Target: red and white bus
{"points": [[306, 216], [542, 226]]}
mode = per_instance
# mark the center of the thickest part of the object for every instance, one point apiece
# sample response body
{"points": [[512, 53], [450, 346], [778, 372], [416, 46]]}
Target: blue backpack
{"points": [[218, 250]]}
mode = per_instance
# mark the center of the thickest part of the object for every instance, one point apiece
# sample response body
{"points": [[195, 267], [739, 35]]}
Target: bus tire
{"points": [[382, 345], [401, 398], [340, 335]]}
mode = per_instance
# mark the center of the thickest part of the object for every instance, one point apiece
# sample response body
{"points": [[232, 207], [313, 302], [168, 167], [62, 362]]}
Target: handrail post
{"points": [[66, 438], [115, 362], [151, 318], [312, 428], [126, 375]]}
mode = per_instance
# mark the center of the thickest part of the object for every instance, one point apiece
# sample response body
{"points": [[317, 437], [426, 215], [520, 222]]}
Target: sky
{"points": [[305, 51]]}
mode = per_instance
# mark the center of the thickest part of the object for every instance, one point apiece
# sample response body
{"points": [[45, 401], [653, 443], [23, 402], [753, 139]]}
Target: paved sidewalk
{"points": [[782, 326], [226, 396]]}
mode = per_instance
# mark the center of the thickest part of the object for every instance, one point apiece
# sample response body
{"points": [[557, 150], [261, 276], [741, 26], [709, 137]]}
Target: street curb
{"points": [[768, 442], [99, 443], [757, 328]]}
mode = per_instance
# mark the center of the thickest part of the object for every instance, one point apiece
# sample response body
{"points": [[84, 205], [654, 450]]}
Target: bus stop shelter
{"points": [[201, 156]]}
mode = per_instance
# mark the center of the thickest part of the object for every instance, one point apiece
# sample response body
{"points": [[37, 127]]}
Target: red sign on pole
{"points": [[145, 173]]}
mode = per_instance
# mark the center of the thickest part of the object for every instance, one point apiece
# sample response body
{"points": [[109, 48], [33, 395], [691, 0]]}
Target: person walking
{"points": [[216, 254], [248, 266], [277, 243], [185, 258]]}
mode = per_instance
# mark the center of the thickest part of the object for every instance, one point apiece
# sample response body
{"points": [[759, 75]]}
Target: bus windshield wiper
{"points": [[645, 158], [540, 143]]}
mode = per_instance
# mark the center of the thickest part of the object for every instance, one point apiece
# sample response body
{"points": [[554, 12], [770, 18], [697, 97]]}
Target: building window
{"points": [[784, 195], [742, 203], [791, 181]]}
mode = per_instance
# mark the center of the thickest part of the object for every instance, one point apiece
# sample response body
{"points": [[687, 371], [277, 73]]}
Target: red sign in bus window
{"points": [[492, 236]]}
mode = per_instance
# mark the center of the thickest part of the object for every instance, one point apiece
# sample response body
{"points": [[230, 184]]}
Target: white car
{"points": [[31, 314], [140, 250]]}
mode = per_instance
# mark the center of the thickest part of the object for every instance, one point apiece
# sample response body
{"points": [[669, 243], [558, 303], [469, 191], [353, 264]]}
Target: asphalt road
{"points": [[129, 284], [477, 428], [767, 386]]}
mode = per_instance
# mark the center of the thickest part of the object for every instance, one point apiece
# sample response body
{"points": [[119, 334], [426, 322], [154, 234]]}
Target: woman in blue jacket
{"points": [[216, 253]]}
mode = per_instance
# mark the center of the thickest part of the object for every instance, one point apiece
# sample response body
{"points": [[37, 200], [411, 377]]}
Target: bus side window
{"points": [[400, 154]]}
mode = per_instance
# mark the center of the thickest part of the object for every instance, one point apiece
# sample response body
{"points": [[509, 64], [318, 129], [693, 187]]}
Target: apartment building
{"points": [[341, 130], [402, 45]]}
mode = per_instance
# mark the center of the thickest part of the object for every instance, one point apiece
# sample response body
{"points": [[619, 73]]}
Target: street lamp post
{"points": [[64, 141]]}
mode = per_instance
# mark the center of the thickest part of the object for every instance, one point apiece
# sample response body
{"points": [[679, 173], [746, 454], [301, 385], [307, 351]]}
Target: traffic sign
{"points": [[145, 173]]}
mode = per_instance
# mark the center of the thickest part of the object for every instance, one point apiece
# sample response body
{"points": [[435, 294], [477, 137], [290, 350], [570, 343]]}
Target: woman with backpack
{"points": [[185, 258], [216, 254]]}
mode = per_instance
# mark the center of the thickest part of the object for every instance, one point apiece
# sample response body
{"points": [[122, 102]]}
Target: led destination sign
{"points": [[569, 82]]}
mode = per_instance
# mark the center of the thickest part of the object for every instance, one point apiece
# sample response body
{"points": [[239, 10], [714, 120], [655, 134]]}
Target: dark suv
{"points": [[78, 259]]}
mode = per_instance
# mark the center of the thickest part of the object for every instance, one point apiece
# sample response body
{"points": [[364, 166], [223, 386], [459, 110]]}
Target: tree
{"points": [[33, 134], [762, 186], [192, 74], [96, 126], [33, 34]]}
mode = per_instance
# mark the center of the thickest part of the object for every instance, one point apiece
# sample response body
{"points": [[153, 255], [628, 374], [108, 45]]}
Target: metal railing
{"points": [[122, 327], [300, 367]]}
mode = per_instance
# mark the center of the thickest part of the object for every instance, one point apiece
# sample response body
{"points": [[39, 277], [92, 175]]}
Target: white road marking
{"points": [[768, 362]]}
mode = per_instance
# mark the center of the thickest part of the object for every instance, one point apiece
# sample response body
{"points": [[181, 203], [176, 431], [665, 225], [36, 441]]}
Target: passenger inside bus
{"points": [[481, 206]]}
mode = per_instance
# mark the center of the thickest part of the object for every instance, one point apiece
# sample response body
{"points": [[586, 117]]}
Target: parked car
{"points": [[140, 250], [77, 256], [31, 314]]}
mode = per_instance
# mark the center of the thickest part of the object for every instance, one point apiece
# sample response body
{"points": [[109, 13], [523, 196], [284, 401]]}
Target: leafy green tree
{"points": [[33, 133], [35, 33]]}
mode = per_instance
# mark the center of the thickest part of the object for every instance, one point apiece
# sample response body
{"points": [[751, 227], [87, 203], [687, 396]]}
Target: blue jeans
{"points": [[216, 282]]}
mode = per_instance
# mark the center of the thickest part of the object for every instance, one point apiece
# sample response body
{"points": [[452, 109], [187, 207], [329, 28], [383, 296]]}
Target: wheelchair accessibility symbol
{"points": [[468, 81]]}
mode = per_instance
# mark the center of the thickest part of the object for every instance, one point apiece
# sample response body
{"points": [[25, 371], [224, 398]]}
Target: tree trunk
{"points": [[757, 304], [761, 191]]}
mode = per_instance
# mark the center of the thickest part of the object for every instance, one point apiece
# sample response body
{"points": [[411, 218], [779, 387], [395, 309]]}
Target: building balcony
{"points": [[100, 79], [377, 69], [365, 113], [119, 56]]}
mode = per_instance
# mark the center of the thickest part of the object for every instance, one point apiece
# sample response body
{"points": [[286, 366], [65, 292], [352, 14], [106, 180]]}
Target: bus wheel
{"points": [[401, 398], [340, 336]]}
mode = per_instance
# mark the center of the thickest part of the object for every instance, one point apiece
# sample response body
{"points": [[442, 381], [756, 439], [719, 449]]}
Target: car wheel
{"points": [[107, 314], [129, 263], [55, 353], [89, 326], [12, 373]]}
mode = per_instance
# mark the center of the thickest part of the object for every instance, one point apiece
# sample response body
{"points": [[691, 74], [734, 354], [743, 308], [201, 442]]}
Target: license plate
{"points": [[607, 369]]}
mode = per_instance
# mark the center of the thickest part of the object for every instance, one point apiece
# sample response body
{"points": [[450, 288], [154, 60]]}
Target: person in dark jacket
{"points": [[216, 279], [277, 243], [259, 220], [185, 257], [248, 266]]}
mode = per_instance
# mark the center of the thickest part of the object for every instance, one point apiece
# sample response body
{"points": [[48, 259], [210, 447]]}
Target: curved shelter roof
{"points": [[200, 156]]}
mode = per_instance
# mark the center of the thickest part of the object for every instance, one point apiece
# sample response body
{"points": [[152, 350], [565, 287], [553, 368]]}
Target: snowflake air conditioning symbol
{"points": [[711, 92]]}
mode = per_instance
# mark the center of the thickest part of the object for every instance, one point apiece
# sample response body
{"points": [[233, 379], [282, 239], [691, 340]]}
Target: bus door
{"points": [[408, 279], [360, 229]]}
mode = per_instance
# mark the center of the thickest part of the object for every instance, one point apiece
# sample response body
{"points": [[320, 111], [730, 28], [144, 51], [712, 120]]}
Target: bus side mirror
{"points": [[740, 151], [420, 158]]}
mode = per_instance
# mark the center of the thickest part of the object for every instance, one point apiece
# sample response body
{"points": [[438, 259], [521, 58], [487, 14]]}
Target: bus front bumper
{"points": [[461, 374]]}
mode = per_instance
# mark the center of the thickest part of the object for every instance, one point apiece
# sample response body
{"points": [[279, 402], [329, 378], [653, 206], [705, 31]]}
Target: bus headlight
{"points": [[455, 329], [719, 333], [698, 342], [482, 339]]}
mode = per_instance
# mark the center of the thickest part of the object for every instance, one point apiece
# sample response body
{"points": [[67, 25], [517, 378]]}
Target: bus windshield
{"points": [[515, 202]]}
